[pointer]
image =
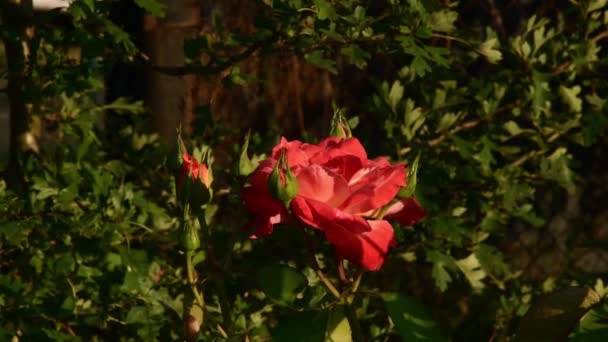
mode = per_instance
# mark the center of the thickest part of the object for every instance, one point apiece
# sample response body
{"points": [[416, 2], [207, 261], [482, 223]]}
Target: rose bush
{"points": [[341, 193]]}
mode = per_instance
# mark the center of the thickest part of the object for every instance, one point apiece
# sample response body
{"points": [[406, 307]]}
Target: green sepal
{"points": [[412, 179]]}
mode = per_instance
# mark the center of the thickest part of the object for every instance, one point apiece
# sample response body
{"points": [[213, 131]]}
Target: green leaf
{"points": [[593, 327], [491, 260], [488, 49], [553, 316], [441, 263], [395, 95], [556, 168], [325, 10], [317, 59], [280, 283], [412, 320], [356, 55], [570, 97], [304, 326], [443, 20], [153, 7], [338, 328], [472, 270]]}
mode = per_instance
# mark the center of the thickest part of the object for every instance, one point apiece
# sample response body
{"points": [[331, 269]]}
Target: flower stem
{"points": [[192, 282], [328, 284]]}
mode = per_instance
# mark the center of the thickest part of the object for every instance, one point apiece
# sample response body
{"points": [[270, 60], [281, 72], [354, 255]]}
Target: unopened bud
{"points": [[282, 183], [193, 183], [339, 126], [190, 239], [246, 166]]}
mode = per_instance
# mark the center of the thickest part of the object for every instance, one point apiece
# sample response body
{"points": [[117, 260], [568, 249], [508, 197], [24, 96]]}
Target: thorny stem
{"points": [[221, 292]]}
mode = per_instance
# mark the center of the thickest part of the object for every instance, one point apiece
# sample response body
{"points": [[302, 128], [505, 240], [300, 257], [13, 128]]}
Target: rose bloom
{"points": [[340, 193]]}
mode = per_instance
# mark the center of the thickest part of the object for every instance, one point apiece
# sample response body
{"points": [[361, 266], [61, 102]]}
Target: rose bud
{"points": [[282, 183], [189, 239], [246, 166], [339, 126], [193, 183]]}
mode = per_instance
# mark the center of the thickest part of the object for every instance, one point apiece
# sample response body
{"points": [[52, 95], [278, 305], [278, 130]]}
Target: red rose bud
{"points": [[339, 126], [282, 183], [193, 183], [246, 166]]}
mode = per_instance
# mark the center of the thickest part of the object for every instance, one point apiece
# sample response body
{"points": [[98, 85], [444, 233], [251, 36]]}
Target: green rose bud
{"points": [[282, 183], [246, 166], [190, 239], [339, 126]]}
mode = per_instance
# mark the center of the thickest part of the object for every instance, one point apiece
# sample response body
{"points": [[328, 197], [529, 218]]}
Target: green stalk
{"points": [[192, 281]]}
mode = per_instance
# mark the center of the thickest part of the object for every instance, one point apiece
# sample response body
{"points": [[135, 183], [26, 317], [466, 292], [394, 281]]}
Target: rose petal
{"points": [[368, 249], [333, 147], [322, 216], [346, 166], [298, 153], [373, 187], [318, 183], [407, 212]]}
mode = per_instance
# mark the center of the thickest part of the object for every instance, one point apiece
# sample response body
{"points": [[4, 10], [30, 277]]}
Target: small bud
{"points": [[246, 166], [190, 239], [339, 126], [282, 183], [192, 328]]}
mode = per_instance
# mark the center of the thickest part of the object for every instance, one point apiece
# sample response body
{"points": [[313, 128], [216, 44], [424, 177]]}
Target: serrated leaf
{"points": [[471, 268], [441, 263], [556, 168], [443, 20], [489, 50], [411, 319], [281, 283], [570, 97]]}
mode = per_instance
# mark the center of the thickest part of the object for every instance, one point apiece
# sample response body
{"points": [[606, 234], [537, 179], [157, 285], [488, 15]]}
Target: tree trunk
{"points": [[169, 97], [16, 14]]}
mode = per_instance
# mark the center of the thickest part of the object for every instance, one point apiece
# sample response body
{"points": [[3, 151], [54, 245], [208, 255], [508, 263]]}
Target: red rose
{"points": [[340, 193]]}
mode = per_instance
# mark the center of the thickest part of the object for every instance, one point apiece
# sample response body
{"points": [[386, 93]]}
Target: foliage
{"points": [[494, 120]]}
